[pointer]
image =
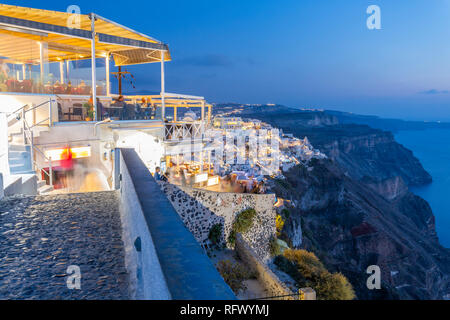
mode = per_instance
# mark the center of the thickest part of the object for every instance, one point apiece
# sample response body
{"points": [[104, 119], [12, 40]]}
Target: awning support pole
{"points": [[209, 161], [61, 71], [108, 83], [201, 161], [93, 67], [163, 88], [203, 110], [203, 118], [41, 61], [68, 70]]}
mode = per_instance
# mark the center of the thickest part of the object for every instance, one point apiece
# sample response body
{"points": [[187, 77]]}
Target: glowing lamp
{"points": [[63, 154]]}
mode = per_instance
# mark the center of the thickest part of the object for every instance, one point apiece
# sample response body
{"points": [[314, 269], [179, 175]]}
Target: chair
{"points": [[13, 85], [61, 114], [77, 110], [27, 85]]}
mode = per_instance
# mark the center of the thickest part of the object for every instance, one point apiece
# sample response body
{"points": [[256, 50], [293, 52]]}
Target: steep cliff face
{"points": [[355, 208], [351, 227], [364, 153], [374, 155]]}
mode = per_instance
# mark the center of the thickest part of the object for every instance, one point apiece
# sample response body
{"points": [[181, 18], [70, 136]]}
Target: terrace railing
{"points": [[179, 131]]}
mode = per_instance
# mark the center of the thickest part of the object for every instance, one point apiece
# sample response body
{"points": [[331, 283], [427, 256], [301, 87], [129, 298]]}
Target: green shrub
{"points": [[307, 262], [275, 249], [234, 274], [244, 221], [241, 224], [334, 287], [232, 238], [215, 233], [307, 270]]}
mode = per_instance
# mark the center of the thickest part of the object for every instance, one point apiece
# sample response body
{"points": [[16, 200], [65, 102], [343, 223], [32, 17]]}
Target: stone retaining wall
{"points": [[163, 257], [147, 279], [202, 209]]}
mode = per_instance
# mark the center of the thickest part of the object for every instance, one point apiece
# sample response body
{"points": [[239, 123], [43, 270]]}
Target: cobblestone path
{"points": [[40, 236]]}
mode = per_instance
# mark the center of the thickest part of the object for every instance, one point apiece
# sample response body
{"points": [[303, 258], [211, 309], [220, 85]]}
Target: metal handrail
{"points": [[10, 113], [35, 107], [50, 166], [28, 134], [38, 123]]}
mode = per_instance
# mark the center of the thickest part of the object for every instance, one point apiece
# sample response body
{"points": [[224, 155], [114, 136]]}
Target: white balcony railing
{"points": [[178, 131]]}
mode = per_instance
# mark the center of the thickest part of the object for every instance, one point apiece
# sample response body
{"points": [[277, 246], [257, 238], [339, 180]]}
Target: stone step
{"points": [[17, 140], [19, 159], [38, 130], [15, 132], [18, 147], [41, 183], [20, 168], [15, 160], [45, 189], [17, 154]]}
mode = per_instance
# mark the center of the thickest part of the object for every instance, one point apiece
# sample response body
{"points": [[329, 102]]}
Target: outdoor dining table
{"points": [[114, 111]]}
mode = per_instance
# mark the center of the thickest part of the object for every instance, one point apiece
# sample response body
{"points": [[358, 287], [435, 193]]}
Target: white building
{"points": [[46, 115]]}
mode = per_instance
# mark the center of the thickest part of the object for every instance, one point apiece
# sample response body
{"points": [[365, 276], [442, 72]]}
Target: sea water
{"points": [[432, 148]]}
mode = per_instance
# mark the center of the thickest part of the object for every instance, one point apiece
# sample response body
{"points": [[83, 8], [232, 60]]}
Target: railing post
{"points": [[50, 120], [51, 171], [32, 150], [24, 127], [116, 177]]}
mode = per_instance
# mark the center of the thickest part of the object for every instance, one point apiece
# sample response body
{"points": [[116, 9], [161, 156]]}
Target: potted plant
{"points": [[89, 111]]}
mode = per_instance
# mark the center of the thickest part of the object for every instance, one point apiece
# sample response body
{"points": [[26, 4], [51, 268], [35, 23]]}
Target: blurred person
{"points": [[157, 174]]}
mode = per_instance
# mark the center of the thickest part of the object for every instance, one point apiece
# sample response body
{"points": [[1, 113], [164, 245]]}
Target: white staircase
{"points": [[43, 187], [19, 159], [20, 151]]}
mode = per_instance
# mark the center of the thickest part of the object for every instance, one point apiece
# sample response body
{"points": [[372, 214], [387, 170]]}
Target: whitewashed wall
{"points": [[4, 167]]}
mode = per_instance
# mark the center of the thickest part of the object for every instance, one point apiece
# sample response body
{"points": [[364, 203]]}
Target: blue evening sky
{"points": [[302, 53]]}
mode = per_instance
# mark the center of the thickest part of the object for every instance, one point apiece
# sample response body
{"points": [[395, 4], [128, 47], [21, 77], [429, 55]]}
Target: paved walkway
{"points": [[40, 236]]}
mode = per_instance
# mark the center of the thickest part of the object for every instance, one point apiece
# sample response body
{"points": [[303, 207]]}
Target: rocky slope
{"points": [[351, 227], [354, 209]]}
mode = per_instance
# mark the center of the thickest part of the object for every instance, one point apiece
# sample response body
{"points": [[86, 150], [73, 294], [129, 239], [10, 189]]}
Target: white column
{"points": [[163, 89], [201, 161], [93, 67], [203, 110], [108, 84], [68, 70], [41, 61], [61, 71], [209, 161], [24, 71]]}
